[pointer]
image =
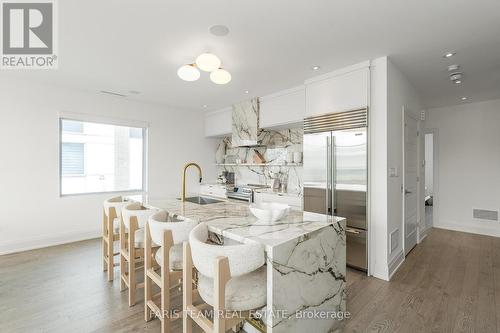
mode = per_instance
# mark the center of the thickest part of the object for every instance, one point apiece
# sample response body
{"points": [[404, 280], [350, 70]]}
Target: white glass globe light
{"points": [[188, 73], [208, 62], [220, 76]]}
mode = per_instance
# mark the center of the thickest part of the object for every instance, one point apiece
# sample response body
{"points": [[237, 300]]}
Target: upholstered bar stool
{"points": [[134, 218], [110, 231], [169, 232], [230, 278]]}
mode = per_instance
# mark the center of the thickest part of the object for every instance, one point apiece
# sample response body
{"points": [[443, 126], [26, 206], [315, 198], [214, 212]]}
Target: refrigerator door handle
{"points": [[352, 231], [328, 176], [333, 176]]}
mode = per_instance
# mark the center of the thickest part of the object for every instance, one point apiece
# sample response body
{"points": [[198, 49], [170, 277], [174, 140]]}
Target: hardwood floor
{"points": [[448, 283]]}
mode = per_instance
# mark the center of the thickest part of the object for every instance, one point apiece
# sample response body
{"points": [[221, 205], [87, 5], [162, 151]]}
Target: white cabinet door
{"points": [[214, 190], [339, 93], [283, 109], [294, 201], [218, 123]]}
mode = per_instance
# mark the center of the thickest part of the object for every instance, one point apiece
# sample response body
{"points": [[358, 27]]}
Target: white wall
{"points": [[33, 214], [389, 92], [468, 148], [377, 127], [400, 93]]}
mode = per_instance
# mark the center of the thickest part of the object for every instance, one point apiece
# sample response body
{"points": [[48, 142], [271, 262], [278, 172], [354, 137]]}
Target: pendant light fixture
{"points": [[208, 62], [220, 76], [188, 72]]}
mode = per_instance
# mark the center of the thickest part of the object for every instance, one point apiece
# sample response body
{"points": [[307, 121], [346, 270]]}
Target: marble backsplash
{"points": [[245, 120], [275, 145]]}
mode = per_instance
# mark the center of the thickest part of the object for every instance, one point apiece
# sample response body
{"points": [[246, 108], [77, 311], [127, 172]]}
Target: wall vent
{"points": [[394, 240], [483, 214]]}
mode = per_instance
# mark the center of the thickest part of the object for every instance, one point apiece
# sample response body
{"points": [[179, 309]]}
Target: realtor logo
{"points": [[28, 35]]}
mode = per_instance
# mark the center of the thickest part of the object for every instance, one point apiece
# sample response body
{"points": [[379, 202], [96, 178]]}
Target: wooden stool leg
{"points": [[222, 276], [131, 262], [123, 249], [110, 244], [148, 291], [165, 281], [104, 251], [187, 287]]}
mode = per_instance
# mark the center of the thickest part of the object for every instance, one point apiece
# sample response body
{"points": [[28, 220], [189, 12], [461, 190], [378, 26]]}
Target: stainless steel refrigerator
{"points": [[336, 175]]}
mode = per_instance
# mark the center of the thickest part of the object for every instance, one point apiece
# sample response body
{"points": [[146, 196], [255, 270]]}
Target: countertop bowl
{"points": [[269, 211]]}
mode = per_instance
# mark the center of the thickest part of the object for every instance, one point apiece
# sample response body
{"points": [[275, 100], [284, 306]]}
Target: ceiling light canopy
{"points": [[208, 62], [220, 76], [464, 98], [188, 73], [315, 68]]}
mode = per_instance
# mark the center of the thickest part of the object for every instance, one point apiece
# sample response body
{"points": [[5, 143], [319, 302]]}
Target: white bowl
{"points": [[269, 211]]}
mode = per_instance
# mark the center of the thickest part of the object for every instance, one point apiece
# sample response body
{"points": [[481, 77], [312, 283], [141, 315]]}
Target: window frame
{"points": [[106, 121]]}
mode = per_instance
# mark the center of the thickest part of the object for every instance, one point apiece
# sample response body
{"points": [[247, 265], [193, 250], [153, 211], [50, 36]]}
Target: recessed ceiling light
{"points": [[219, 30], [449, 54], [205, 106], [458, 81], [220, 76], [464, 98], [246, 91], [188, 73], [208, 62], [315, 68]]}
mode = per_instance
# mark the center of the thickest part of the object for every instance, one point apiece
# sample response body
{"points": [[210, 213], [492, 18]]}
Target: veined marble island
{"points": [[305, 256]]}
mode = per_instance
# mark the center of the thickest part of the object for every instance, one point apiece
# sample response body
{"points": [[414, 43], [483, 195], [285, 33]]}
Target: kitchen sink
{"points": [[202, 200]]}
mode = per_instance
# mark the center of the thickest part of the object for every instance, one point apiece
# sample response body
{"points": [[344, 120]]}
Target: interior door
{"points": [[410, 181], [317, 172]]}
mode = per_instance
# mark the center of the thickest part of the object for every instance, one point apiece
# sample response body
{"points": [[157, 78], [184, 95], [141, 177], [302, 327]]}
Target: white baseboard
{"points": [[396, 263], [46, 240], [423, 234], [473, 229]]}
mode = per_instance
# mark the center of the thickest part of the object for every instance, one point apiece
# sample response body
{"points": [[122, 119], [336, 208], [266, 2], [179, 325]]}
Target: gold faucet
{"points": [[183, 196]]}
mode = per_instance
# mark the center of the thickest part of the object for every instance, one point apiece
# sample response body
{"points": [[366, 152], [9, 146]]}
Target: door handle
{"points": [[408, 192], [352, 231]]}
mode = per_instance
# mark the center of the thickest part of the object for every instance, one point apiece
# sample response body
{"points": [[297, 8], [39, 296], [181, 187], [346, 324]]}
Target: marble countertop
{"points": [[232, 219]]}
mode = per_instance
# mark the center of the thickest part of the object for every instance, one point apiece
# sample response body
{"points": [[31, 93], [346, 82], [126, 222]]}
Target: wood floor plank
{"points": [[448, 283]]}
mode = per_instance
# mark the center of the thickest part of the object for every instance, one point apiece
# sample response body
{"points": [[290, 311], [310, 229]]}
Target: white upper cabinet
{"points": [[218, 123], [336, 93], [284, 108]]}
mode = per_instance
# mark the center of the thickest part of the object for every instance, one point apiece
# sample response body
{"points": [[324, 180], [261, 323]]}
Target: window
{"points": [[98, 157]]}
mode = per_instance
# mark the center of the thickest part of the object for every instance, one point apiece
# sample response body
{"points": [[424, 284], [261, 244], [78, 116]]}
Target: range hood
{"points": [[245, 126]]}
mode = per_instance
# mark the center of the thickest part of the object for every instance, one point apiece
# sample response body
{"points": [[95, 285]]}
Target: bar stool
{"points": [[134, 218], [112, 210], [169, 232], [230, 278]]}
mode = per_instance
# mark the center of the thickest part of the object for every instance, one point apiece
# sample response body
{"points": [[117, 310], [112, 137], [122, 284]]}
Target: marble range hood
{"points": [[245, 124]]}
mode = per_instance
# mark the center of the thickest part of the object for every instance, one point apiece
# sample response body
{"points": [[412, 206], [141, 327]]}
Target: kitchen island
{"points": [[305, 256]]}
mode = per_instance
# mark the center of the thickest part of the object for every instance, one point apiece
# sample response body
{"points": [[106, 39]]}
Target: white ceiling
{"points": [[123, 45]]}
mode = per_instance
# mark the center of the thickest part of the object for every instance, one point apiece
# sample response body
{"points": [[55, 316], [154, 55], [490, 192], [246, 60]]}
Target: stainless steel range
{"points": [[244, 192]]}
